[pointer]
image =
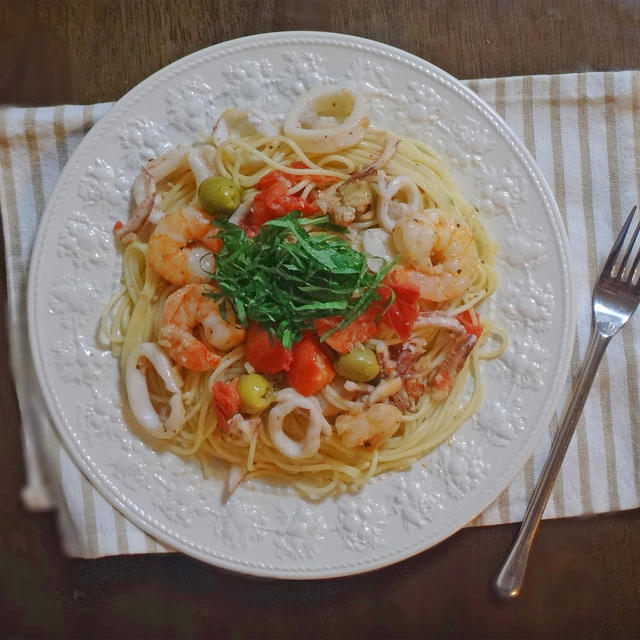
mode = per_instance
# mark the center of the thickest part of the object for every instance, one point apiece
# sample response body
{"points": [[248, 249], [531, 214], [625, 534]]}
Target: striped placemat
{"points": [[583, 130]]}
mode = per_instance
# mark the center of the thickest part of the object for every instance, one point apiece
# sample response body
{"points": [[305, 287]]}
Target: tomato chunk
{"points": [[400, 317], [343, 340], [273, 202], [311, 369], [265, 352], [470, 324], [226, 400], [404, 309]]}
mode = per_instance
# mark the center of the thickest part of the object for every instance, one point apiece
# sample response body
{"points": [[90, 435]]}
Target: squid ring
{"points": [[392, 188], [138, 392], [288, 401], [327, 119]]}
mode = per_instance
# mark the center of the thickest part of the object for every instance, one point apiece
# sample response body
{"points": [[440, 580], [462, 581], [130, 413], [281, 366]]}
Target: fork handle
{"points": [[510, 578]]}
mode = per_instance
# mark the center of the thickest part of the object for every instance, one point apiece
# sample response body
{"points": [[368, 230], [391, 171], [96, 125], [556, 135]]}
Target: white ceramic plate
{"points": [[262, 531]]}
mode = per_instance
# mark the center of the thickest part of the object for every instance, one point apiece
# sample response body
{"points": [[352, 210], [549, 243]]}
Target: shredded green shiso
{"points": [[286, 277]]}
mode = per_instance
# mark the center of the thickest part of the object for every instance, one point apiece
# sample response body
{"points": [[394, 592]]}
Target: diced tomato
{"points": [[311, 369], [265, 352], [343, 340], [273, 202], [269, 179], [403, 312], [467, 321], [400, 317], [226, 400]]}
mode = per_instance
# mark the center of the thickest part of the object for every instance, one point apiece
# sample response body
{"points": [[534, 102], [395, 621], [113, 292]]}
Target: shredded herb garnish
{"points": [[286, 277]]}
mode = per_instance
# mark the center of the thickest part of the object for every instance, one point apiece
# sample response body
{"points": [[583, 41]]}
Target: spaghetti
{"points": [[375, 367]]}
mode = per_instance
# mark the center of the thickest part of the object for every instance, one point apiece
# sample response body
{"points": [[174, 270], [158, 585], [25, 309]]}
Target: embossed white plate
{"points": [[75, 268]]}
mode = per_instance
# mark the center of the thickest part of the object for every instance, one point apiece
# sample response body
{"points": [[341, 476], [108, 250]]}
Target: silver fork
{"points": [[615, 298]]}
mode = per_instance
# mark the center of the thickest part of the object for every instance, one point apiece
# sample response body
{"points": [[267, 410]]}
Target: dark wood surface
{"points": [[584, 574]]}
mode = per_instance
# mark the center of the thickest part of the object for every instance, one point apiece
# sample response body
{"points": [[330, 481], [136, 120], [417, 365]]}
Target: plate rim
{"points": [[163, 533]]}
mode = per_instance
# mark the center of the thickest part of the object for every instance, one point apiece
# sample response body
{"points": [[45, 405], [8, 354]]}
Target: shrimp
{"points": [[171, 252], [439, 254], [370, 428], [184, 310]]}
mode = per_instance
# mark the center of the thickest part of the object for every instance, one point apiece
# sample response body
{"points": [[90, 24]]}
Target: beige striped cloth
{"points": [[584, 131]]}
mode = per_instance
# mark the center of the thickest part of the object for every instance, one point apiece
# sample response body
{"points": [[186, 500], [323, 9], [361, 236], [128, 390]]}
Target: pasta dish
{"points": [[301, 300]]}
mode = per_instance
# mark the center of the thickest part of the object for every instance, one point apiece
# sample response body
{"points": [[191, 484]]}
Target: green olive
{"points": [[219, 196], [359, 365], [256, 393]]}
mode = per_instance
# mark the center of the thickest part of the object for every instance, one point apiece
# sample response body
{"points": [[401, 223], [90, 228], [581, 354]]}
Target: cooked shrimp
{"points": [[182, 244], [370, 428], [186, 309], [439, 254]]}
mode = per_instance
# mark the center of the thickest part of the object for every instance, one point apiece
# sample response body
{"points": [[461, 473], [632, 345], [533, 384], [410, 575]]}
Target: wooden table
{"points": [[584, 575]]}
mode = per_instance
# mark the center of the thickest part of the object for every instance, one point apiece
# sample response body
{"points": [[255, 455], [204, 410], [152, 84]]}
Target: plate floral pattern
{"points": [[262, 530]]}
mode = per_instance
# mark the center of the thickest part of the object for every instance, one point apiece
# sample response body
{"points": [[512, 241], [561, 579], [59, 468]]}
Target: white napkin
{"points": [[35, 144], [584, 131]]}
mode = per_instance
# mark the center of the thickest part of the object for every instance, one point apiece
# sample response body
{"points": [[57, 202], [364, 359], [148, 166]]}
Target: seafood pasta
{"points": [[300, 301]]}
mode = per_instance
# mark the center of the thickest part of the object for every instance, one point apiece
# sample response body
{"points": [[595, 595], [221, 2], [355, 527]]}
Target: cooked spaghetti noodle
{"points": [[322, 441]]}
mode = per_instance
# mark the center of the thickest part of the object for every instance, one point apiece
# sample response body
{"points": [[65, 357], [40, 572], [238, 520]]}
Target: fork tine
{"points": [[617, 245], [624, 275], [634, 266]]}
